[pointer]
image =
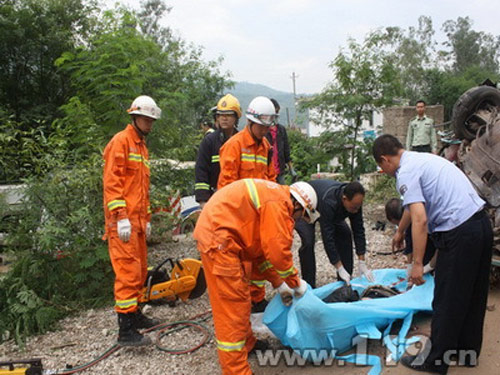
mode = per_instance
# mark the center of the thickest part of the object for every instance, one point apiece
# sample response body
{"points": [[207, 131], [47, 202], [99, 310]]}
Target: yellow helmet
{"points": [[228, 104]]}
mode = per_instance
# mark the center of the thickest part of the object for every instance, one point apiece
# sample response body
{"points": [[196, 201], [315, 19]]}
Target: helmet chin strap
{"points": [[141, 133], [253, 136]]}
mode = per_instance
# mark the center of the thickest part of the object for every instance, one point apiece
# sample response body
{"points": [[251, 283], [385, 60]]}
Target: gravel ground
{"points": [[79, 339]]}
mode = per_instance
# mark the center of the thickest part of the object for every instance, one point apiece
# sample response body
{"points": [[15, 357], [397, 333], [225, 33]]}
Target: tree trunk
{"points": [[353, 151]]}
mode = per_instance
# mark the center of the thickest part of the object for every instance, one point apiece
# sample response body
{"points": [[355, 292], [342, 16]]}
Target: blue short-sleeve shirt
{"points": [[448, 195]]}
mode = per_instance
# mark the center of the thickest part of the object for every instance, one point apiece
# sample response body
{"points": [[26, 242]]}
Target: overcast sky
{"points": [[264, 41]]}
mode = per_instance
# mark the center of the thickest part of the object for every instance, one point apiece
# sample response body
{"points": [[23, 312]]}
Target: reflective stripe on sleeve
{"points": [[288, 272], [116, 204], [215, 158], [252, 190], [201, 186], [265, 266], [259, 283]]}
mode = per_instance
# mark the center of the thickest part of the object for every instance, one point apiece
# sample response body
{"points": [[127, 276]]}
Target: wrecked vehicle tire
{"points": [[473, 110]]}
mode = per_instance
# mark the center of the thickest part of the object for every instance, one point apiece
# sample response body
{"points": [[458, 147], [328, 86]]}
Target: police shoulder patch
{"points": [[403, 189]]}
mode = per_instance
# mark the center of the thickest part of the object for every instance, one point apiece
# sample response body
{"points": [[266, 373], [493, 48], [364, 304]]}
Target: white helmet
{"points": [[145, 106], [261, 111], [306, 196]]}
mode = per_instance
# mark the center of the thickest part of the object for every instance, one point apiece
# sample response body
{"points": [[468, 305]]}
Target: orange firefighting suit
{"points": [[247, 224], [126, 195], [242, 157]]}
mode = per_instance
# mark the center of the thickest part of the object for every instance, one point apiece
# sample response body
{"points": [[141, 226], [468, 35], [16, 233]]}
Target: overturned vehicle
{"points": [[476, 124]]}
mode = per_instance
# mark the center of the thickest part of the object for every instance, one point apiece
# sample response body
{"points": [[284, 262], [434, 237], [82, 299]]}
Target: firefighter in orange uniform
{"points": [[248, 155], [128, 215], [249, 222]]}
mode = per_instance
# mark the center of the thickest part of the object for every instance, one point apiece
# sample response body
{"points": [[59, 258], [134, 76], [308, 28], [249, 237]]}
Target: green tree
{"points": [[61, 261], [415, 53], [445, 87], [468, 47], [33, 34], [306, 154], [122, 62], [365, 80]]}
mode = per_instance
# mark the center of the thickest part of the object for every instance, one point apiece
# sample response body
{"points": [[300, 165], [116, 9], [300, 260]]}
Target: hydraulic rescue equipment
{"points": [[9, 367], [185, 281]]}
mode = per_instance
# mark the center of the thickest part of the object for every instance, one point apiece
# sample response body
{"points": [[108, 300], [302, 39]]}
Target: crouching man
{"points": [[248, 225]]}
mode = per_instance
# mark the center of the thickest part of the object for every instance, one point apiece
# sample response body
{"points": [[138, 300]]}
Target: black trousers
{"points": [[343, 245], [461, 290], [430, 249], [422, 148]]}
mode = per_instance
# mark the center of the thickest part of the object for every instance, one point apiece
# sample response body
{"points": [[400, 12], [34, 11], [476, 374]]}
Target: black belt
{"points": [[421, 148]]}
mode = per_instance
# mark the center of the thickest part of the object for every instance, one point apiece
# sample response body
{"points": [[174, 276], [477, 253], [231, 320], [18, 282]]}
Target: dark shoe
{"points": [[261, 345], [260, 306], [128, 334], [423, 366], [142, 321], [379, 225]]}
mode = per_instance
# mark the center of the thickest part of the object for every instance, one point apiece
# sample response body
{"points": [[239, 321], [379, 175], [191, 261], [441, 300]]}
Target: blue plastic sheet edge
{"points": [[311, 323]]}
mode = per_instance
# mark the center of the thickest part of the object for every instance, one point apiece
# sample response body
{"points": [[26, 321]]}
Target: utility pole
{"points": [[294, 77]]}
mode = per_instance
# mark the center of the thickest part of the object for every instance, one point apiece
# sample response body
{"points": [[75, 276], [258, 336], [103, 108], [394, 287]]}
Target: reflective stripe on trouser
{"points": [[229, 295], [262, 270], [129, 260], [257, 290]]}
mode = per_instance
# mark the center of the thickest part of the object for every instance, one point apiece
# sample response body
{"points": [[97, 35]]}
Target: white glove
{"points": [[344, 275], [124, 229], [148, 230], [364, 270], [292, 172], [301, 289], [428, 268], [409, 266], [286, 294]]}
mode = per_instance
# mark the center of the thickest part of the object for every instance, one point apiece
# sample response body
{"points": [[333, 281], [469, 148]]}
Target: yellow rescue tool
{"points": [[185, 281]]}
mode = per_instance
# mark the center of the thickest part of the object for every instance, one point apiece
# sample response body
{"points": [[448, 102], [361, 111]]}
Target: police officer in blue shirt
{"points": [[440, 199]]}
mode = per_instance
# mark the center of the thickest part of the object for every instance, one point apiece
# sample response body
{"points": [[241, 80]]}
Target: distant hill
{"points": [[246, 91]]}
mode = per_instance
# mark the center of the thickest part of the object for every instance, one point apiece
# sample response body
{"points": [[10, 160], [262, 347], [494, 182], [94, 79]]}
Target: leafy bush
{"points": [[21, 151], [383, 190], [61, 261], [306, 155]]}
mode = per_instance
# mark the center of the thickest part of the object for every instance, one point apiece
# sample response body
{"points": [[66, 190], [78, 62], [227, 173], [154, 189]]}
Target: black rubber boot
{"points": [[128, 335], [260, 345], [142, 321]]}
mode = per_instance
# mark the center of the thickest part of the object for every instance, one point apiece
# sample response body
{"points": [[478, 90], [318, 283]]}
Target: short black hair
{"points": [[353, 188], [386, 144], [394, 209], [276, 104], [420, 101], [208, 123]]}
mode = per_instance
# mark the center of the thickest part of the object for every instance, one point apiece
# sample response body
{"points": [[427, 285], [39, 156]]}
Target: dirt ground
{"points": [[80, 338]]}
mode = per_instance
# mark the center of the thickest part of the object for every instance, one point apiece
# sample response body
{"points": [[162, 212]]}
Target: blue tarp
{"points": [[312, 325]]}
